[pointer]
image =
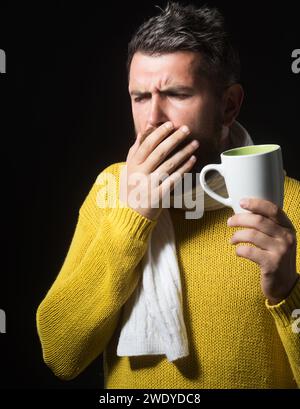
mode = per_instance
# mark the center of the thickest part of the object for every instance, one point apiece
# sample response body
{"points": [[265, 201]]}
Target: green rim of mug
{"points": [[251, 150]]}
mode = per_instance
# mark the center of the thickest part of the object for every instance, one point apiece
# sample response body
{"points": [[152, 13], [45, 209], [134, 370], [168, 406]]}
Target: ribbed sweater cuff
{"points": [[282, 312], [128, 221]]}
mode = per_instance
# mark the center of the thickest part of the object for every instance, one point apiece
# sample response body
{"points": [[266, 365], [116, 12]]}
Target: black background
{"points": [[65, 116]]}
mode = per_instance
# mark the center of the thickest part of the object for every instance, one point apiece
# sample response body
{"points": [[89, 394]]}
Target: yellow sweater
{"points": [[236, 339]]}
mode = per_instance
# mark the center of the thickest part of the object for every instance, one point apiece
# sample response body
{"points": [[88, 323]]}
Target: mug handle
{"points": [[208, 190]]}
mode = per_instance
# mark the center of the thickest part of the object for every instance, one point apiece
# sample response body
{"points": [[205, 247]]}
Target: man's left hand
{"points": [[273, 234]]}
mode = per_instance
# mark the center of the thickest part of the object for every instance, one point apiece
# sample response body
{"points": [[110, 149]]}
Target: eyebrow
{"points": [[173, 89]]}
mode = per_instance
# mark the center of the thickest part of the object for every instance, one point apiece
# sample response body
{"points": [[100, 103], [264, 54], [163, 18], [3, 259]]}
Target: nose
{"points": [[157, 114]]}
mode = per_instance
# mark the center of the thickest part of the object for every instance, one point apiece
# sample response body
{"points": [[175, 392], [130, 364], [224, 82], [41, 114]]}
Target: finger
{"points": [[134, 147], [267, 209], [143, 135], [252, 253], [261, 240], [170, 181], [161, 152], [256, 221], [150, 142], [170, 165]]}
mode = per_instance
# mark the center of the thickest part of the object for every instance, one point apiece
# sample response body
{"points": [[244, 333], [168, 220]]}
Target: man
{"points": [[239, 304]]}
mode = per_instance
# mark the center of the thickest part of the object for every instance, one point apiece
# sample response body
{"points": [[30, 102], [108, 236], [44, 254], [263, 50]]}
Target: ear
{"points": [[231, 103]]}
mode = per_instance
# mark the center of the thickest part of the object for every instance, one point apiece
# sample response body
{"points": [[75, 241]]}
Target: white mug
{"points": [[249, 171]]}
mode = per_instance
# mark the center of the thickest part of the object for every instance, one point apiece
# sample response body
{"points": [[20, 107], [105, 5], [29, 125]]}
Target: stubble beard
{"points": [[208, 151]]}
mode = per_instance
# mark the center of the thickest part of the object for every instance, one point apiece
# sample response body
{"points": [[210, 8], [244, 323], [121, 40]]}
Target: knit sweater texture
{"points": [[236, 339]]}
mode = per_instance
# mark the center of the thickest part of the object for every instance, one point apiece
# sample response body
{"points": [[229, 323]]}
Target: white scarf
{"points": [[153, 322]]}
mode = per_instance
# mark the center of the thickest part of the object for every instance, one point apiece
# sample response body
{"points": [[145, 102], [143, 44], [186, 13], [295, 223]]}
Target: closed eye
{"points": [[178, 96], [139, 99]]}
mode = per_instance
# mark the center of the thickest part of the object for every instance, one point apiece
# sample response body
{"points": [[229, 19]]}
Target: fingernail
{"points": [[169, 125], [185, 129], [244, 202], [229, 221]]}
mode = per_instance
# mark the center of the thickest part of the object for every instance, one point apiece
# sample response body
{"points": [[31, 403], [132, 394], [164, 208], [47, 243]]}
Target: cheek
{"points": [[139, 115], [179, 112], [189, 113], [202, 116]]}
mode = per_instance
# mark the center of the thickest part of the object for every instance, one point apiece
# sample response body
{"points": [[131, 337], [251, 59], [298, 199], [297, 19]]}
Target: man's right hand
{"points": [[148, 160]]}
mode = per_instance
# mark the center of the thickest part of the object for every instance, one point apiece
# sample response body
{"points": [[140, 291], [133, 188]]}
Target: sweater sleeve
{"points": [[287, 312], [286, 315], [80, 312]]}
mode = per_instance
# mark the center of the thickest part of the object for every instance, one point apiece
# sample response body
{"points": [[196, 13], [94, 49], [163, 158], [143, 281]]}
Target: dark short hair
{"points": [[187, 28]]}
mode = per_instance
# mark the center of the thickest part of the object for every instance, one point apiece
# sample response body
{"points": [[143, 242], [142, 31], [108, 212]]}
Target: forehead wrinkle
{"points": [[161, 84], [148, 79], [160, 80]]}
